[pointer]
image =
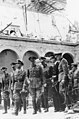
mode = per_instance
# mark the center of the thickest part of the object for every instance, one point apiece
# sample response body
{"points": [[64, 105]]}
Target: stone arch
{"points": [[27, 54], [10, 48], [33, 50], [69, 58], [6, 57]]}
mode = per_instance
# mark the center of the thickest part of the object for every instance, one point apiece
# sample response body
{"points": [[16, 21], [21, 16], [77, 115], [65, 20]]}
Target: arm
{"points": [[2, 84], [41, 74]]}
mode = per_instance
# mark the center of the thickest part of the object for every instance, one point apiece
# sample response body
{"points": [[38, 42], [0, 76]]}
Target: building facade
{"points": [[13, 48]]}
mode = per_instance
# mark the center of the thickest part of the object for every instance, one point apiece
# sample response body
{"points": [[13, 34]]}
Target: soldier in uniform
{"points": [[24, 94], [63, 81], [34, 74], [13, 75], [75, 78], [47, 74], [55, 83], [18, 85], [5, 88], [0, 92]]}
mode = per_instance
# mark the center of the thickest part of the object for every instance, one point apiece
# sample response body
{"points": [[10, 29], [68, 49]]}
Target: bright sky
{"points": [[73, 9]]}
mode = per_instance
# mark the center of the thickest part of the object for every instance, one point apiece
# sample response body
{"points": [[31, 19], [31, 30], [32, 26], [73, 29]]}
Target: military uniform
{"points": [[13, 76], [34, 74], [47, 74], [18, 85], [55, 86], [76, 84], [75, 87], [0, 92], [6, 87], [63, 81]]}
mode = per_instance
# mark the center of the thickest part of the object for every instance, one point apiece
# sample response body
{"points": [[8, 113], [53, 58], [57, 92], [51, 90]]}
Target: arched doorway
{"points": [[69, 58], [48, 54], [7, 57], [28, 54]]}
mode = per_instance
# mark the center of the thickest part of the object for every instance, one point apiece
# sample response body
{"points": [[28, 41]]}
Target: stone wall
{"points": [[22, 48]]}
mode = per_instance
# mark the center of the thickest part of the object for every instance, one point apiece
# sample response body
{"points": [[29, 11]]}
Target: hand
{"points": [[52, 81], [62, 81], [42, 90], [45, 85]]}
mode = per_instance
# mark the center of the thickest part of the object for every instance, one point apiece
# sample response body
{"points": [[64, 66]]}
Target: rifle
{"points": [[5, 28]]}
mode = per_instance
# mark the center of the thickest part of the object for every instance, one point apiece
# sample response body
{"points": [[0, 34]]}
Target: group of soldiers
{"points": [[50, 75]]}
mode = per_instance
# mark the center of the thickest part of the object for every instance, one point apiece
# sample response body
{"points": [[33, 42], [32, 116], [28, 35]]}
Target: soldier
{"points": [[18, 85], [5, 88], [0, 92], [55, 83], [63, 81], [34, 74], [24, 94], [47, 74], [75, 77], [13, 75]]}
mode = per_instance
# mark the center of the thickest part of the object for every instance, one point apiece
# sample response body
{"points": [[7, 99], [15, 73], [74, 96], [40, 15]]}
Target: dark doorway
{"points": [[69, 58], [48, 54]]}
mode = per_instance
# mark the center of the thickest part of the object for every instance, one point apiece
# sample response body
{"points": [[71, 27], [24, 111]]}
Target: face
{"points": [[33, 62], [53, 60], [14, 67], [4, 71], [58, 57], [18, 66]]}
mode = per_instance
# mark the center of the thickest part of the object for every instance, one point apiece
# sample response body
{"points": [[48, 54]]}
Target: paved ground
{"points": [[49, 115]]}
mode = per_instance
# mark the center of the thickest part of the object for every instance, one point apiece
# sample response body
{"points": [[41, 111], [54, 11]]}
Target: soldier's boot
{"points": [[5, 106], [38, 106], [46, 110], [24, 111], [35, 112], [15, 113], [16, 108], [8, 103], [24, 105], [34, 107]]}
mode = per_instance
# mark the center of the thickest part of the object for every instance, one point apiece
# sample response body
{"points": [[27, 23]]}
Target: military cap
{"points": [[13, 63], [49, 54], [58, 54], [42, 58], [19, 62], [4, 68], [32, 58]]}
